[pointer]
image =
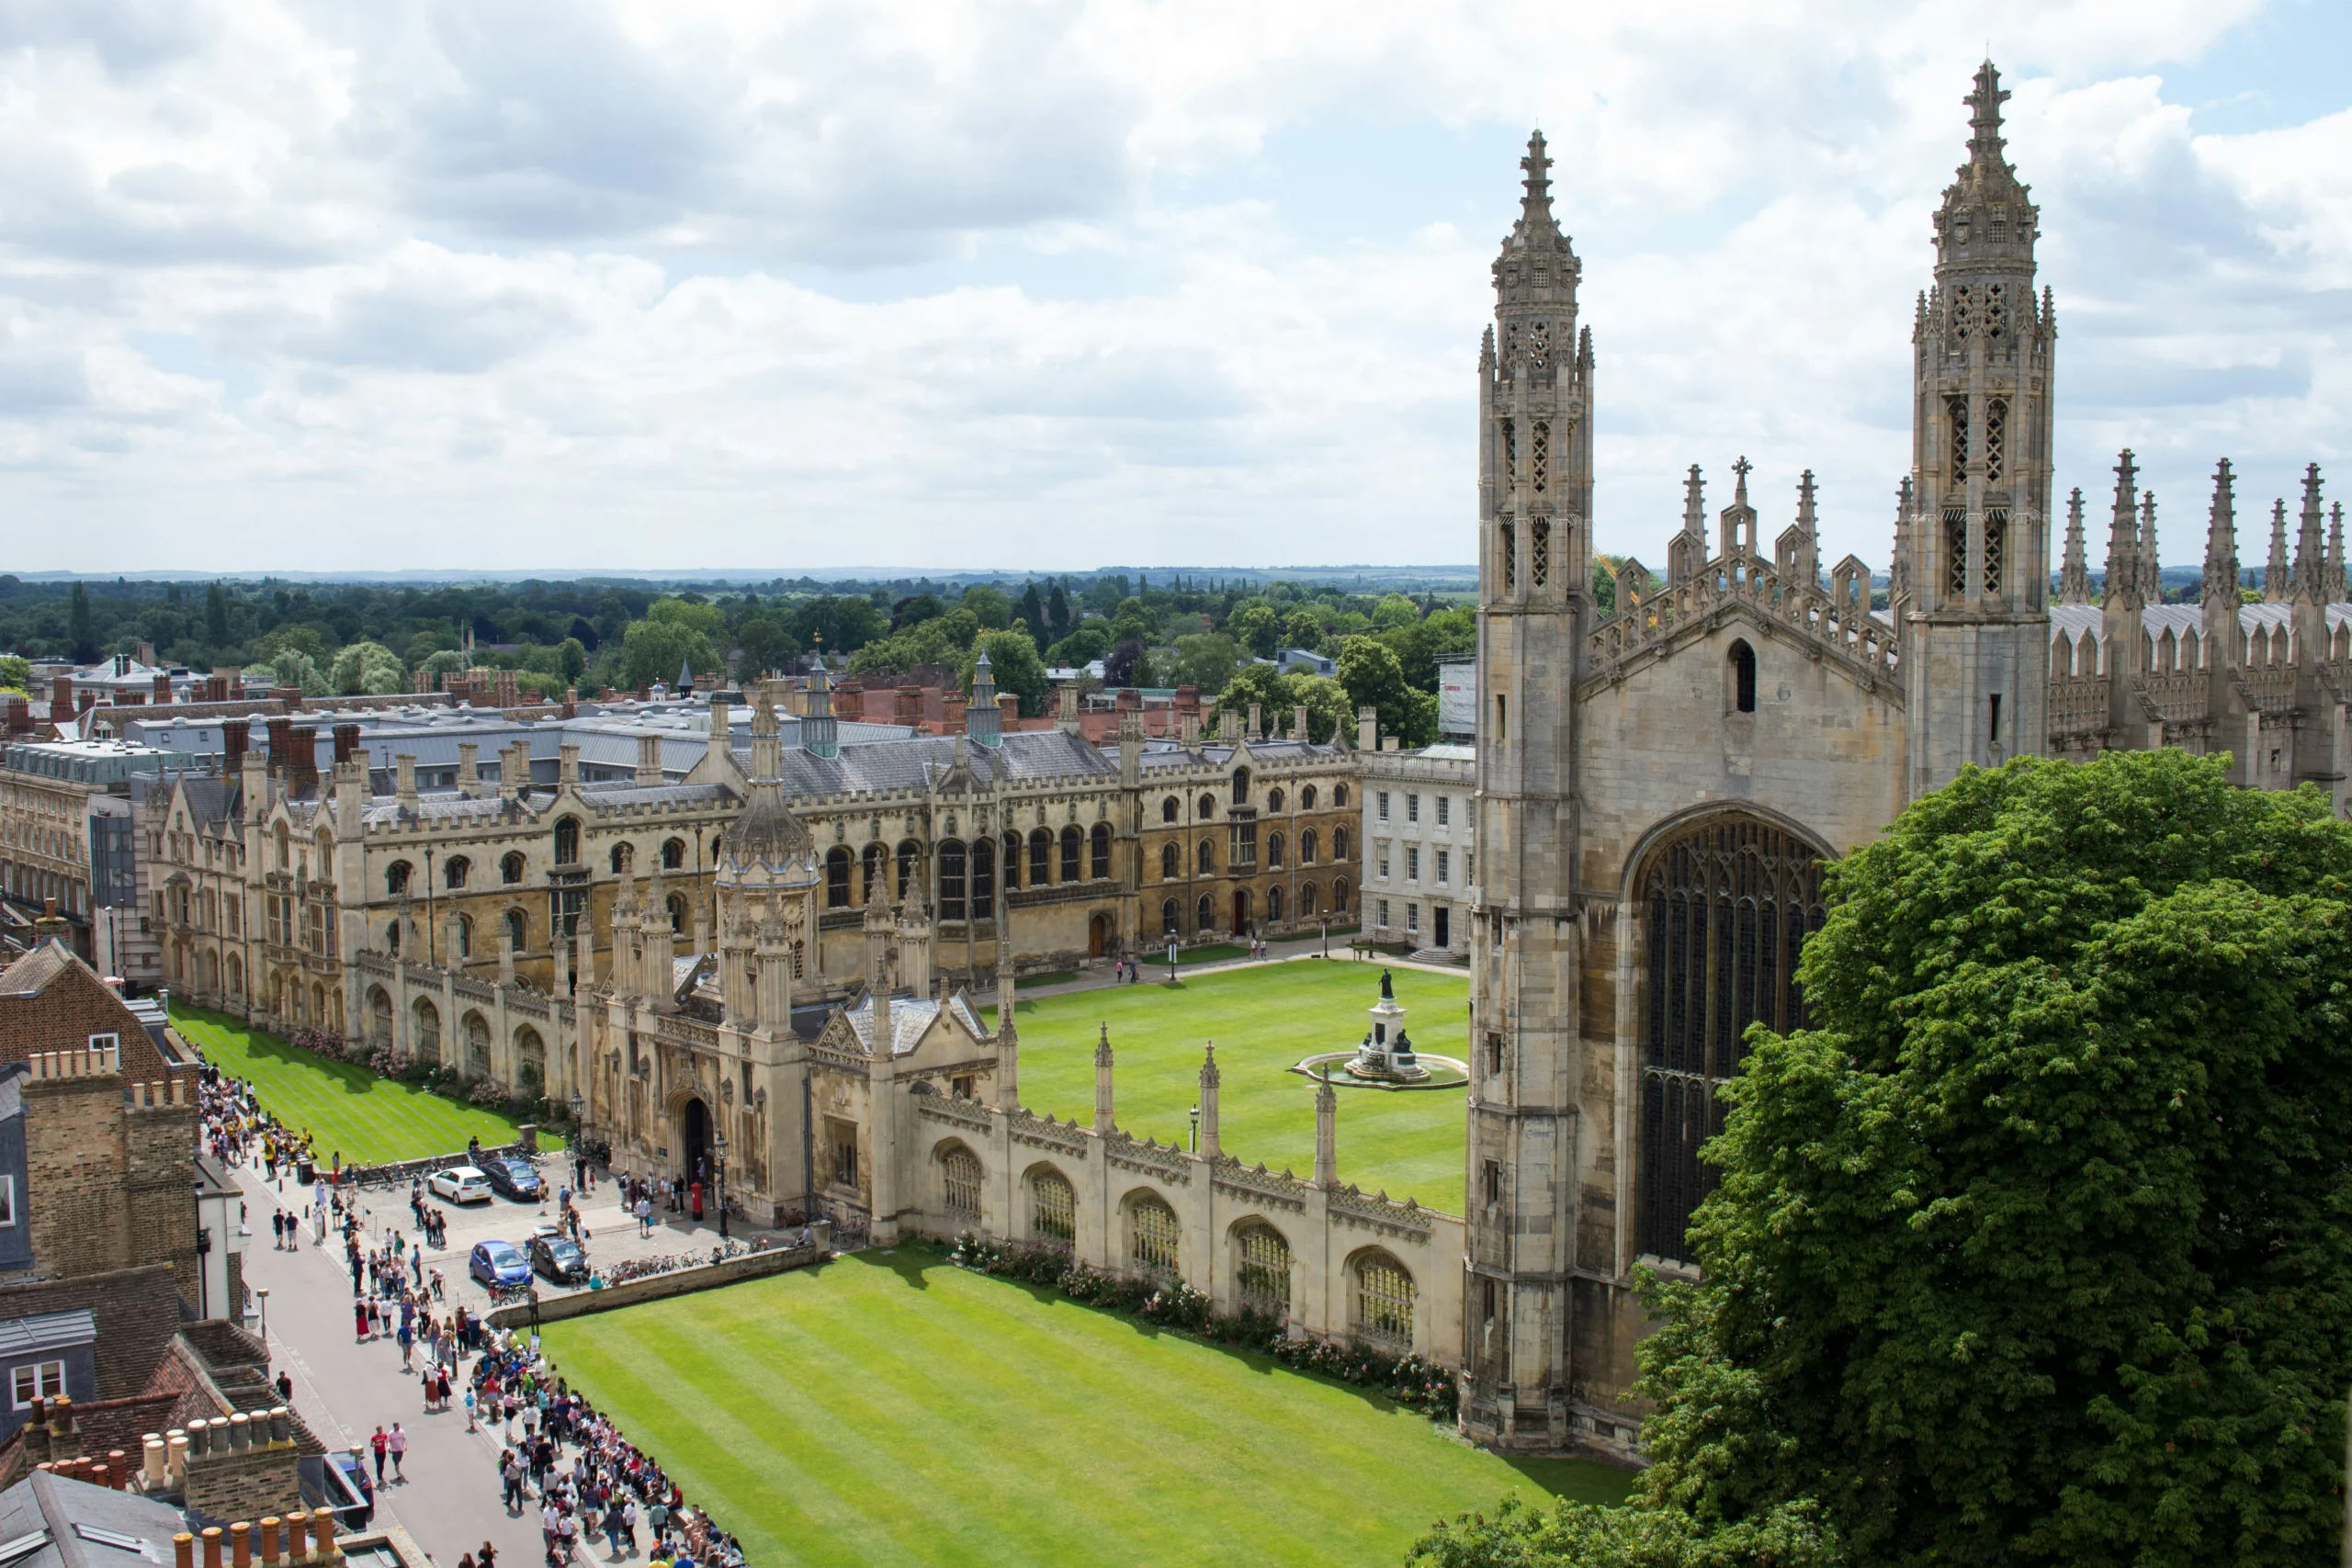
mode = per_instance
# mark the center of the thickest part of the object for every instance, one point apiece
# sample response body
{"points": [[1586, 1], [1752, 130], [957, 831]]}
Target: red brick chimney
{"points": [[162, 689], [216, 688], [910, 705], [20, 716], [347, 743], [61, 698], [281, 747], [235, 736], [849, 701], [303, 774]]}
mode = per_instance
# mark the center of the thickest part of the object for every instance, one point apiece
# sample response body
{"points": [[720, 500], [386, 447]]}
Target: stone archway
{"points": [[695, 1128], [1098, 937]]}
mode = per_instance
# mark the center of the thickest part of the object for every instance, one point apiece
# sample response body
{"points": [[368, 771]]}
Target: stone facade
{"points": [[1419, 853], [1658, 788]]}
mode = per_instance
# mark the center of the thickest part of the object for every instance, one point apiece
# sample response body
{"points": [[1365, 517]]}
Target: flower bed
{"points": [[1410, 1379]]}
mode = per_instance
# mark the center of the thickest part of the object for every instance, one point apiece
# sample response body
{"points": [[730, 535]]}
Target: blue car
{"points": [[499, 1263]]}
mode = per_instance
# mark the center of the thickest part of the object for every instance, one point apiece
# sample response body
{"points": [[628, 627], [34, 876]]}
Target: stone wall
{"points": [[677, 1282]]}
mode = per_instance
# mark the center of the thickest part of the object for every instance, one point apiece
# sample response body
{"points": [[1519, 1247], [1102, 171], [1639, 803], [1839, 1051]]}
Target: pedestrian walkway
{"points": [[1289, 951]]}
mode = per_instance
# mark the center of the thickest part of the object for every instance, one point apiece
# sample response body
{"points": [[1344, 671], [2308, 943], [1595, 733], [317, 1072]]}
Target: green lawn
{"points": [[1263, 1019], [350, 1111], [891, 1409]]}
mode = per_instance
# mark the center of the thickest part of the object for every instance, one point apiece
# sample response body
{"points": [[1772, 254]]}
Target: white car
{"points": [[459, 1184]]}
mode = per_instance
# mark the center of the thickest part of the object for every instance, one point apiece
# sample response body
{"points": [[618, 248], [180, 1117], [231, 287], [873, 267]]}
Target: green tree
{"points": [[2033, 1248], [908, 613], [767, 645], [1328, 709], [1014, 666], [79, 630], [1206, 659], [16, 671], [1374, 677], [1585, 1535], [1394, 609], [837, 624], [1256, 626], [1087, 643], [367, 667], [653, 648], [988, 607], [1308, 626], [292, 667], [216, 617], [1058, 621], [570, 660]]}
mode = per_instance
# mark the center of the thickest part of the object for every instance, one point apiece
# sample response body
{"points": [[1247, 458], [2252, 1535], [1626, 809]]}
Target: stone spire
{"points": [[2275, 574], [1985, 218], [1104, 1121], [1327, 1137], [2121, 590], [767, 737], [1535, 219], [1210, 1080], [2074, 572], [2310, 549], [2152, 586], [1008, 1004], [2221, 544], [1898, 571], [1694, 503], [2334, 575]]}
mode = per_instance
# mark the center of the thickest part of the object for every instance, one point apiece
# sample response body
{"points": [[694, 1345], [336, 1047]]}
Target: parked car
{"points": [[459, 1184], [559, 1259], [499, 1263], [514, 1177]]}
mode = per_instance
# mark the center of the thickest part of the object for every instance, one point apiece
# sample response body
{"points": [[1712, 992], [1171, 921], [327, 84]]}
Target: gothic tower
{"points": [[1976, 628], [1535, 607]]}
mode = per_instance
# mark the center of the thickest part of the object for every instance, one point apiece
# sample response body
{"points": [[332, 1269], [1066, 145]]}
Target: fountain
{"points": [[1387, 1058]]}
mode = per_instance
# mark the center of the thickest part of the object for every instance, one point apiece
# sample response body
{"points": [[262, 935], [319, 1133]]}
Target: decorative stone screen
{"points": [[1265, 1269], [1385, 1302], [1154, 1251], [1053, 1213], [961, 1168]]}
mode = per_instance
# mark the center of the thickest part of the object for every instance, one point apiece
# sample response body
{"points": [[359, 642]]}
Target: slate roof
{"points": [[2073, 620], [41, 1504], [910, 1016], [915, 763]]}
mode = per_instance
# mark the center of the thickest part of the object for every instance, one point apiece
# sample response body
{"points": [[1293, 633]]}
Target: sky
{"points": [[685, 285]]}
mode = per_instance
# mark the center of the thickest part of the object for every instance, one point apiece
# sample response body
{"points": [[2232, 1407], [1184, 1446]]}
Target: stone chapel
{"points": [[1658, 786]]}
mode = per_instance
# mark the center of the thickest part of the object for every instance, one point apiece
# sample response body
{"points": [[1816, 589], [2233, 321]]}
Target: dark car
{"points": [[514, 1177], [498, 1263], [559, 1259]]}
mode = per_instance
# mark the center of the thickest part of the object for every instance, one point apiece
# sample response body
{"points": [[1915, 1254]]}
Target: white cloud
{"points": [[562, 286]]}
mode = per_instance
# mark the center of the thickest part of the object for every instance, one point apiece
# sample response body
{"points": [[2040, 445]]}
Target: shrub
{"points": [[487, 1094]]}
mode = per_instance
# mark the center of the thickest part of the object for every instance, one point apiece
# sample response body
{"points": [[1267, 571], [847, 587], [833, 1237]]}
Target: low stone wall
{"points": [[676, 1282]]}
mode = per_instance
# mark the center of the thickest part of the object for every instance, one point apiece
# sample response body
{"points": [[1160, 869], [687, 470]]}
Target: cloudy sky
{"points": [[686, 284]]}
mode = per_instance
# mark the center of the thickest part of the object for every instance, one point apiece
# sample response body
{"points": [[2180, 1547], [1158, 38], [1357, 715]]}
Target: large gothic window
{"points": [[1728, 905]]}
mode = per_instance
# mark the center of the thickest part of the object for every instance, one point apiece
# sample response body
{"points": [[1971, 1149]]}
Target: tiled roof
{"points": [[910, 1016], [51, 1001]]}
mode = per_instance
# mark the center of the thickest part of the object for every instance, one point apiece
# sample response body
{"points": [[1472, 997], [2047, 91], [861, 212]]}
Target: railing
{"points": [[1847, 631], [687, 1031]]}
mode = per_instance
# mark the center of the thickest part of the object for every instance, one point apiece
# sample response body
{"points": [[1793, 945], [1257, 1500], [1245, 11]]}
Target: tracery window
{"points": [[1507, 544], [1155, 1245], [1053, 1208], [1996, 534], [1510, 452], [1956, 551], [509, 869], [1540, 459], [1728, 905], [1264, 1274], [951, 880], [1539, 551], [1072, 841], [960, 1169], [1958, 409], [1996, 304], [983, 878], [1996, 433], [837, 864], [1384, 1301], [1099, 855], [1041, 858], [1171, 863]]}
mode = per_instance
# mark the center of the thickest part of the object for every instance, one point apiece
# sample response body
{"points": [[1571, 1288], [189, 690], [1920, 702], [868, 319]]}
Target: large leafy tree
{"points": [[2038, 1246], [1375, 677], [1014, 664]]}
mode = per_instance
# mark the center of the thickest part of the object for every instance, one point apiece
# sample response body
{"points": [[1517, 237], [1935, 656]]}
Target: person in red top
{"points": [[379, 1443]]}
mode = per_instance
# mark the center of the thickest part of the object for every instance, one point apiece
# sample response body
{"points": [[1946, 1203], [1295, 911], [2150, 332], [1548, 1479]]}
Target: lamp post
{"points": [[719, 1175], [1326, 936], [1196, 1129], [262, 1293], [1171, 960]]}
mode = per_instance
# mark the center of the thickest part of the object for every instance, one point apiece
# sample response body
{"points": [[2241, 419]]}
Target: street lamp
{"points": [[1326, 936], [261, 1292], [719, 1172], [1196, 1129], [1171, 960]]}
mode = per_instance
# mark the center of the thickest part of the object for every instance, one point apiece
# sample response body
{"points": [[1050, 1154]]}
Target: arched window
{"points": [[1274, 800], [454, 870], [837, 864], [510, 870], [392, 939], [465, 936], [1273, 851], [1208, 807], [1384, 1314], [960, 1172], [624, 859], [1041, 858], [424, 1037], [396, 877], [1170, 810], [477, 1047], [1240, 786], [1263, 1275], [1099, 861], [530, 1058], [983, 878], [1168, 917], [1274, 906], [1339, 797], [908, 852], [1012, 861], [1053, 1208], [1205, 916], [1306, 846], [1306, 797], [870, 871], [1728, 907], [676, 903], [1072, 841], [285, 847], [518, 931], [1205, 858], [674, 853], [951, 879], [1307, 895], [1339, 896], [1743, 676], [1339, 843], [1172, 863], [567, 840], [1153, 1246]]}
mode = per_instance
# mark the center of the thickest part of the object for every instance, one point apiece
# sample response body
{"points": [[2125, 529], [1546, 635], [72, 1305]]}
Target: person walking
{"points": [[510, 1471], [397, 1445], [644, 1215], [379, 1442]]}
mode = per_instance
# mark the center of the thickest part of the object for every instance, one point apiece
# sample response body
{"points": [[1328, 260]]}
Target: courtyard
{"points": [[348, 1109], [1263, 1019], [888, 1408]]}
